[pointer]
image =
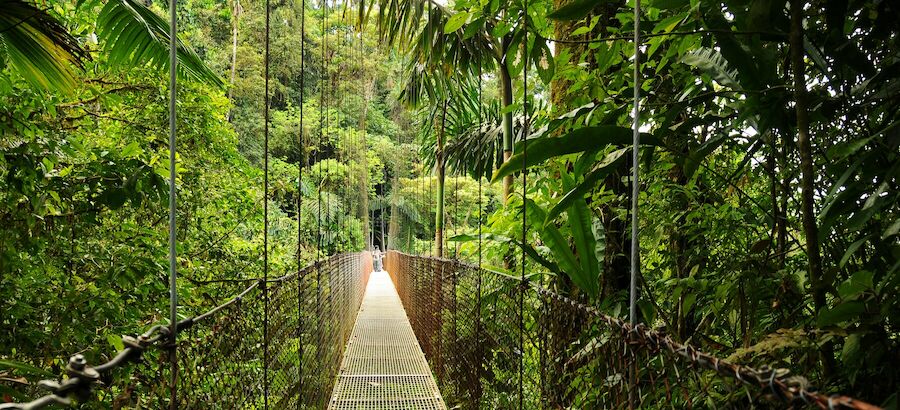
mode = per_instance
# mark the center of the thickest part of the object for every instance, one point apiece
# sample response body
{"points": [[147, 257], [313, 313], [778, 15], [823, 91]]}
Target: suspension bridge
{"points": [[428, 333], [425, 333]]}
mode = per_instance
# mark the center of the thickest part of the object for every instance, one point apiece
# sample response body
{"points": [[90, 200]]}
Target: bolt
{"points": [[77, 362]]}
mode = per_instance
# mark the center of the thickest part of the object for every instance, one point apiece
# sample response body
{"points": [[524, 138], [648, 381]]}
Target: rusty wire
{"points": [[220, 355], [571, 354]]}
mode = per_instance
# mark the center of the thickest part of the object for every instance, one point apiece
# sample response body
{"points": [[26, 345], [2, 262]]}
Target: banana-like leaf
{"points": [[38, 46], [559, 247], [133, 34], [693, 160], [529, 250], [580, 140], [580, 222], [603, 169]]}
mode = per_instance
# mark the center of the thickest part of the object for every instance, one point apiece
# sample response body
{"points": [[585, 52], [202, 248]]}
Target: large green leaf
{"points": [[38, 46], [695, 158], [529, 250], [455, 22], [604, 168], [24, 368], [134, 35], [843, 312], [583, 236], [543, 60], [562, 253], [711, 62], [580, 140]]}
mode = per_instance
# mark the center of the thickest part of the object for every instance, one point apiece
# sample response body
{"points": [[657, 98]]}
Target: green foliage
{"points": [[133, 35], [83, 175], [38, 46], [595, 138], [723, 241]]}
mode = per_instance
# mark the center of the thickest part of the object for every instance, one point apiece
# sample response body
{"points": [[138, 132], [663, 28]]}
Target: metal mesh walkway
{"points": [[383, 365]]}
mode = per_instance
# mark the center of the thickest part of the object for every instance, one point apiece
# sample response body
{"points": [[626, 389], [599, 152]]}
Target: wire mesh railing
{"points": [[225, 358], [497, 341]]}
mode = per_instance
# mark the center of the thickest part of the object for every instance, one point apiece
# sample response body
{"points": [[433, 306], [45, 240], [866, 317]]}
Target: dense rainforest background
{"points": [[768, 199]]}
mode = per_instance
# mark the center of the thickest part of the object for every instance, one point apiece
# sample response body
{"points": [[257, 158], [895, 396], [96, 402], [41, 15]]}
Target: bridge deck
{"points": [[383, 365]]}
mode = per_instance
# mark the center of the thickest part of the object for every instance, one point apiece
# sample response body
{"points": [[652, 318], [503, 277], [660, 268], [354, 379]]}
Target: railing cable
{"points": [[607, 363], [220, 348]]}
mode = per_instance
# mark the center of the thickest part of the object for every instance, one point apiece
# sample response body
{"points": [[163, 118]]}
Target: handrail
{"points": [[652, 343], [82, 377]]}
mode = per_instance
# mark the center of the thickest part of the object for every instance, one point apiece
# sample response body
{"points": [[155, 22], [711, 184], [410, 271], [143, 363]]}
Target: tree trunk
{"points": [[807, 174], [440, 169], [506, 94], [236, 11], [393, 222], [774, 184], [363, 211]]}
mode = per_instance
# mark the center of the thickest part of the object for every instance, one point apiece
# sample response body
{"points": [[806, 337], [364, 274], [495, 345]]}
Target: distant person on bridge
{"points": [[376, 259]]}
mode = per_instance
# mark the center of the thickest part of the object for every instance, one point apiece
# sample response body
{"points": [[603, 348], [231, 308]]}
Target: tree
{"points": [[46, 55]]}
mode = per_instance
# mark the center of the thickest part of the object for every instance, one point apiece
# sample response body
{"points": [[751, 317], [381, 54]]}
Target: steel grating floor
{"points": [[383, 366]]}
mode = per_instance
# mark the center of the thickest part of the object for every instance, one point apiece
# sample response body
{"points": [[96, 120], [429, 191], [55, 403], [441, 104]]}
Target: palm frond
{"points": [[417, 28], [408, 210], [713, 63], [329, 210], [133, 35], [38, 46]]}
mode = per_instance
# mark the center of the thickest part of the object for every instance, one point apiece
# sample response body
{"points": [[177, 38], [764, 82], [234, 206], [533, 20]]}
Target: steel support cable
{"points": [[525, 126], [456, 212], [265, 288], [478, 280], [338, 96], [300, 201], [173, 237], [320, 334], [426, 175], [635, 167]]}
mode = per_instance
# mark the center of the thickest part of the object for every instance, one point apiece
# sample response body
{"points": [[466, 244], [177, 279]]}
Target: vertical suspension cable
{"points": [[327, 89], [456, 213], [265, 286], [300, 200], [173, 240], [524, 203], [359, 152], [429, 243], [319, 180], [480, 169], [320, 333], [635, 168], [341, 136]]}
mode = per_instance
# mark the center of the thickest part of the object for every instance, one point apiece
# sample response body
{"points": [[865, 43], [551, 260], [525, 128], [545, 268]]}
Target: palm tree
{"points": [[38, 46], [442, 44], [441, 53]]}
